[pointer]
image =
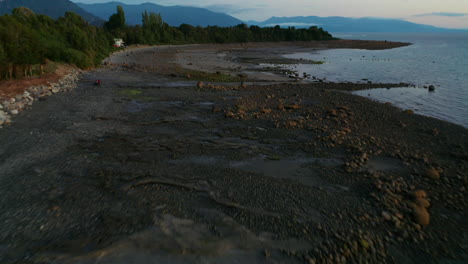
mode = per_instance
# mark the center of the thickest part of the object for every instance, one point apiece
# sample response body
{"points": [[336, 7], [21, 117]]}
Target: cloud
{"points": [[444, 14]]}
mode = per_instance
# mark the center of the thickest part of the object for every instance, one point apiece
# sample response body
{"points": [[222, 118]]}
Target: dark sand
{"points": [[150, 168]]}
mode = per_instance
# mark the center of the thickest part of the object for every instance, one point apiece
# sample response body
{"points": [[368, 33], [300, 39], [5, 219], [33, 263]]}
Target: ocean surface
{"points": [[439, 59]]}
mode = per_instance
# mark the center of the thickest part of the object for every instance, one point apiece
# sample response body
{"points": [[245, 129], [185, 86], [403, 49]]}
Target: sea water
{"points": [[438, 59]]}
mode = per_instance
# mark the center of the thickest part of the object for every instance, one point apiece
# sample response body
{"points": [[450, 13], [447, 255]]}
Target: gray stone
{"points": [[1, 106], [14, 112], [3, 116]]}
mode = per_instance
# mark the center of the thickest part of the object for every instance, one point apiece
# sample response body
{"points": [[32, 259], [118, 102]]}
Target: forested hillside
{"points": [[27, 39]]}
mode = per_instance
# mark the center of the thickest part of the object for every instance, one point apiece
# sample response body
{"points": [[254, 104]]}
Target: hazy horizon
{"points": [[447, 14]]}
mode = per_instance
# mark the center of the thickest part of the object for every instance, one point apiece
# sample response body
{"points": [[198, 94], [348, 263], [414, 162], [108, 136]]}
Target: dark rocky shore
{"points": [[164, 163]]}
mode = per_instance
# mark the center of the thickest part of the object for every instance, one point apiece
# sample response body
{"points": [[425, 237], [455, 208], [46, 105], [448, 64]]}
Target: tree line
{"points": [[154, 30], [28, 39]]}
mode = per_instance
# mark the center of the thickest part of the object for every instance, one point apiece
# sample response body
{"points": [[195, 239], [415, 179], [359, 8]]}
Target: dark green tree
{"points": [[116, 23], [153, 27]]}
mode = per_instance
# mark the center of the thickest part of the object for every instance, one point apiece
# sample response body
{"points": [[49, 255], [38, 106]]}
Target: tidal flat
{"points": [[160, 165]]}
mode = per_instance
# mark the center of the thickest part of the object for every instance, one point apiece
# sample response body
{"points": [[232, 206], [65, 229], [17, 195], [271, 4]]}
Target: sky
{"points": [[441, 13]]}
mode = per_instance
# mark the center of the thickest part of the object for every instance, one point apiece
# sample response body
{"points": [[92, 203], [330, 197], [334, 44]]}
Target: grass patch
{"points": [[212, 77], [130, 92], [136, 94]]}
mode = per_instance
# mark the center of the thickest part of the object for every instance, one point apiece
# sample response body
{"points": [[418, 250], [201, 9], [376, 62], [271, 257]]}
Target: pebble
{"points": [[14, 112], [386, 216], [3, 116]]}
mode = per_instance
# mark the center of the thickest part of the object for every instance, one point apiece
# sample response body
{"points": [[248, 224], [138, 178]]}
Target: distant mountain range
{"points": [[96, 14], [173, 15], [346, 24], [52, 8]]}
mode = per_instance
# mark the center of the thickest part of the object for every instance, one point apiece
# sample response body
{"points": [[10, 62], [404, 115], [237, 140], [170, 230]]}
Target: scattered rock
{"points": [[265, 110], [14, 112], [333, 112], [421, 216], [431, 88], [200, 85], [292, 107], [386, 216], [292, 123], [409, 112], [432, 174], [346, 130], [422, 202], [420, 194], [3, 117]]}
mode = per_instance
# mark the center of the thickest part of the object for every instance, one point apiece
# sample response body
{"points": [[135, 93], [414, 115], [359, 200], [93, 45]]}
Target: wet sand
{"points": [[181, 156]]}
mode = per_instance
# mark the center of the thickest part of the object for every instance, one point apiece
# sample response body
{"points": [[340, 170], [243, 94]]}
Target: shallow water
{"points": [[439, 59]]}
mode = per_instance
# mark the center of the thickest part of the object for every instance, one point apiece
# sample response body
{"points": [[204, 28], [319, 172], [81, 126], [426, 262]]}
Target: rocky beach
{"points": [[217, 154]]}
